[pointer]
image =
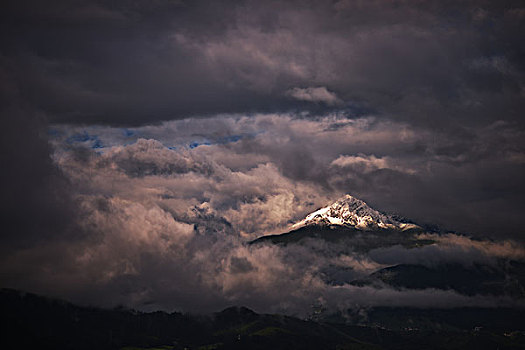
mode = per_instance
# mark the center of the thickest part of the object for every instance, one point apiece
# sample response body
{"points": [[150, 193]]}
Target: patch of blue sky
{"points": [[100, 137], [230, 139], [80, 137], [196, 144], [84, 137], [129, 132], [219, 141], [130, 137], [97, 144]]}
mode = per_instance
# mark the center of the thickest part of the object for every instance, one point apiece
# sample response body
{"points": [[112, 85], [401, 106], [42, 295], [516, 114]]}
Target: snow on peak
{"points": [[352, 212]]}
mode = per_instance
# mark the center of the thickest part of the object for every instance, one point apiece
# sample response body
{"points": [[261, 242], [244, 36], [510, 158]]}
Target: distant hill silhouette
{"points": [[34, 322]]}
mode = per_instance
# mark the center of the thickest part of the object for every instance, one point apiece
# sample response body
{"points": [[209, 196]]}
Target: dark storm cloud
{"points": [[122, 63], [36, 203], [89, 62]]}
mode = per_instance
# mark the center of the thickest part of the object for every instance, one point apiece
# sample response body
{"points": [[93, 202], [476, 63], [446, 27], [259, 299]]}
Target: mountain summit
{"points": [[346, 220], [349, 211]]}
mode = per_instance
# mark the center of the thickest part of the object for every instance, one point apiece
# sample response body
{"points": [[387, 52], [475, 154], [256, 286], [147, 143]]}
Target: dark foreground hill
{"points": [[29, 321]]}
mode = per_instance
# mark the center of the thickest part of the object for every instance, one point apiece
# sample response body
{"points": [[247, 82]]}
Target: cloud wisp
{"points": [[316, 95]]}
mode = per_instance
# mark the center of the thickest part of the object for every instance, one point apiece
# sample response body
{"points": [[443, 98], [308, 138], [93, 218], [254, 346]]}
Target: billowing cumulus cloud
{"points": [[397, 167], [165, 214], [367, 164]]}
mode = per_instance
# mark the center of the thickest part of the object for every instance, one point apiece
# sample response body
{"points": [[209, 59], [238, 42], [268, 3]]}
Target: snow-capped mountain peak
{"points": [[352, 212]]}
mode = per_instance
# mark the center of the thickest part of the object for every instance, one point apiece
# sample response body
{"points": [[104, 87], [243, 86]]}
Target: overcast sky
{"points": [[129, 126]]}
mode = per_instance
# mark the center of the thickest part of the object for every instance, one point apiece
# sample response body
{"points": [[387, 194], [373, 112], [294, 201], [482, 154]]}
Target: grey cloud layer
{"points": [[433, 63]]}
